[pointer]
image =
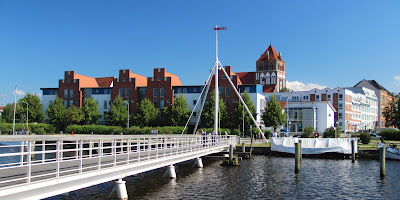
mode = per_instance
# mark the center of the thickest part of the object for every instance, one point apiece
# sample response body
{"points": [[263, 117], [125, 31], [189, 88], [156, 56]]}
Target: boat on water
{"points": [[391, 151]]}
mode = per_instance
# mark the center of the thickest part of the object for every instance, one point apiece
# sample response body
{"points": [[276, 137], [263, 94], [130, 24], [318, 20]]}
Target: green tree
{"points": [[237, 117], [90, 111], [35, 108], [118, 115], [8, 113], [273, 115], [146, 114], [307, 132], [55, 113], [285, 89], [177, 113], [207, 118], [331, 132], [392, 112], [73, 115]]}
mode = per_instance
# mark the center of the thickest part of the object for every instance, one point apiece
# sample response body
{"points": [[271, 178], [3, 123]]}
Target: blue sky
{"points": [[324, 43]]}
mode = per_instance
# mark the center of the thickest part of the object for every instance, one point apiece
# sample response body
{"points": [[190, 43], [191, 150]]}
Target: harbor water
{"points": [[262, 177]]}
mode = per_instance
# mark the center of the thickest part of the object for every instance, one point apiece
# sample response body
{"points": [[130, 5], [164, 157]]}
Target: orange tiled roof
{"points": [[246, 78], [175, 81], [268, 88], [283, 104], [273, 55], [141, 81], [86, 81], [104, 81]]}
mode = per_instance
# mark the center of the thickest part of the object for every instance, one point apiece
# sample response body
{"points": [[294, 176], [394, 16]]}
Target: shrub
{"points": [[236, 132], [365, 138], [390, 134], [6, 128], [308, 132], [330, 133]]}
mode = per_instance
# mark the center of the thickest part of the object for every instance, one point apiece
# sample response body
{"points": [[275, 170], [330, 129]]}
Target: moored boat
{"points": [[391, 151]]}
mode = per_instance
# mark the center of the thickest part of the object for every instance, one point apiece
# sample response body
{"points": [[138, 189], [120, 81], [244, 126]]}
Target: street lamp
{"points": [[127, 101], [27, 110]]}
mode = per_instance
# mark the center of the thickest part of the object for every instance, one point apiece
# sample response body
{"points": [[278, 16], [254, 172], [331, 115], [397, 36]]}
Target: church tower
{"points": [[270, 71]]}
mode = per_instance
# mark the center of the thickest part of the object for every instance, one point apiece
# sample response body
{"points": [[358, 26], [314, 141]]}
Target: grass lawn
{"points": [[374, 143]]}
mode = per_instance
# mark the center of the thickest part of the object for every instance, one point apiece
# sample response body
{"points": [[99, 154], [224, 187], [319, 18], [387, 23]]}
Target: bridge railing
{"points": [[26, 159]]}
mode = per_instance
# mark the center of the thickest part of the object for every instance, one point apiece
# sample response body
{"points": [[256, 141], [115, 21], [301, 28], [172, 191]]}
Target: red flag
{"points": [[220, 28]]}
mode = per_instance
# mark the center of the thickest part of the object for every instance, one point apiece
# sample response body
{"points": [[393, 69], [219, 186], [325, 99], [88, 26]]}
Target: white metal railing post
{"points": [[80, 156], [114, 147], [165, 145], [99, 153], [128, 150], [28, 162], [149, 148], [138, 148], [61, 150], [76, 149], [21, 157], [58, 159], [90, 148], [43, 150]]}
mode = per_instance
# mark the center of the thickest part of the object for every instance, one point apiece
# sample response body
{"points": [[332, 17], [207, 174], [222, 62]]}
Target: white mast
{"points": [[216, 82], [15, 106]]}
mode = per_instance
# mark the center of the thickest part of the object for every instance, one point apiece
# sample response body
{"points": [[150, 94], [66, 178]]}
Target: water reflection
{"points": [[262, 177]]}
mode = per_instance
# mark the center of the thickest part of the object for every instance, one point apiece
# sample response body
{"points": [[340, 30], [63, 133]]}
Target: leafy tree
{"points": [[55, 113], [73, 115], [273, 115], [8, 113], [146, 114], [237, 116], [330, 133], [118, 115], [178, 113], [207, 118], [392, 112], [90, 111], [308, 132], [35, 108], [285, 89]]}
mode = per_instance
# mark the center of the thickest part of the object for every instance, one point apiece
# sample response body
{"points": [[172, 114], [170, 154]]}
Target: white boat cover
{"points": [[390, 152], [313, 145]]}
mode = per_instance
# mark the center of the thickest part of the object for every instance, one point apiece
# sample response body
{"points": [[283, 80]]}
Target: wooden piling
{"points": [[243, 148], [353, 150], [297, 157], [382, 157], [231, 152], [301, 150]]}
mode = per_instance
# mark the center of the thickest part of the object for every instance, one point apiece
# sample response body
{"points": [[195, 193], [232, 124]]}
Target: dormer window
{"points": [[124, 79], [159, 79]]}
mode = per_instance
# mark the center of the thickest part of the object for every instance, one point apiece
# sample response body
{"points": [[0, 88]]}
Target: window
{"points": [[168, 101], [105, 105], [223, 77], [71, 102], [234, 100], [155, 103], [340, 96], [126, 92], [184, 90], [317, 97], [227, 102], [69, 80], [340, 115], [132, 101], [124, 79], [65, 93], [76, 101], [305, 97], [65, 103], [329, 96], [155, 92], [247, 89], [162, 103], [194, 114], [195, 89], [71, 93], [340, 106], [162, 92], [158, 78], [220, 91], [120, 92], [194, 102], [227, 91]]}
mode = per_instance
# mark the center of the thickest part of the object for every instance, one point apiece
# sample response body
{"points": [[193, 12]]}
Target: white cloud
{"points": [[299, 86], [397, 80], [19, 92]]}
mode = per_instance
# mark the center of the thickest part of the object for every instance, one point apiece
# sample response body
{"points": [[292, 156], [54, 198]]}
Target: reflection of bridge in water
{"points": [[45, 166]]}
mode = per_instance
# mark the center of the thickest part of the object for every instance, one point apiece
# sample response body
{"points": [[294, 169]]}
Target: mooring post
{"points": [[231, 152], [353, 150], [121, 189], [243, 148], [199, 163], [297, 157], [301, 150], [171, 172], [382, 157]]}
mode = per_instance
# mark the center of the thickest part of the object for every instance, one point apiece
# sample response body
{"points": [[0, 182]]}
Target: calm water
{"points": [[262, 177]]}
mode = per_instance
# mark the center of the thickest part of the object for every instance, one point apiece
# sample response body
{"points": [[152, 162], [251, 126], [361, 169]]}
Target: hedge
{"points": [[390, 134], [39, 129]]}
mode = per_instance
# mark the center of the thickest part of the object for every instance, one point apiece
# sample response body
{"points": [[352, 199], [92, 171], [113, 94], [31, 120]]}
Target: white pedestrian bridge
{"points": [[35, 167]]}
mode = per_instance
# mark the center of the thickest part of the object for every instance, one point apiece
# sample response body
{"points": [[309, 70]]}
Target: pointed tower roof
{"points": [[273, 55]]}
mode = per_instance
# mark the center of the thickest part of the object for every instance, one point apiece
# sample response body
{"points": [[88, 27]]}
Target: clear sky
{"points": [[324, 43]]}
